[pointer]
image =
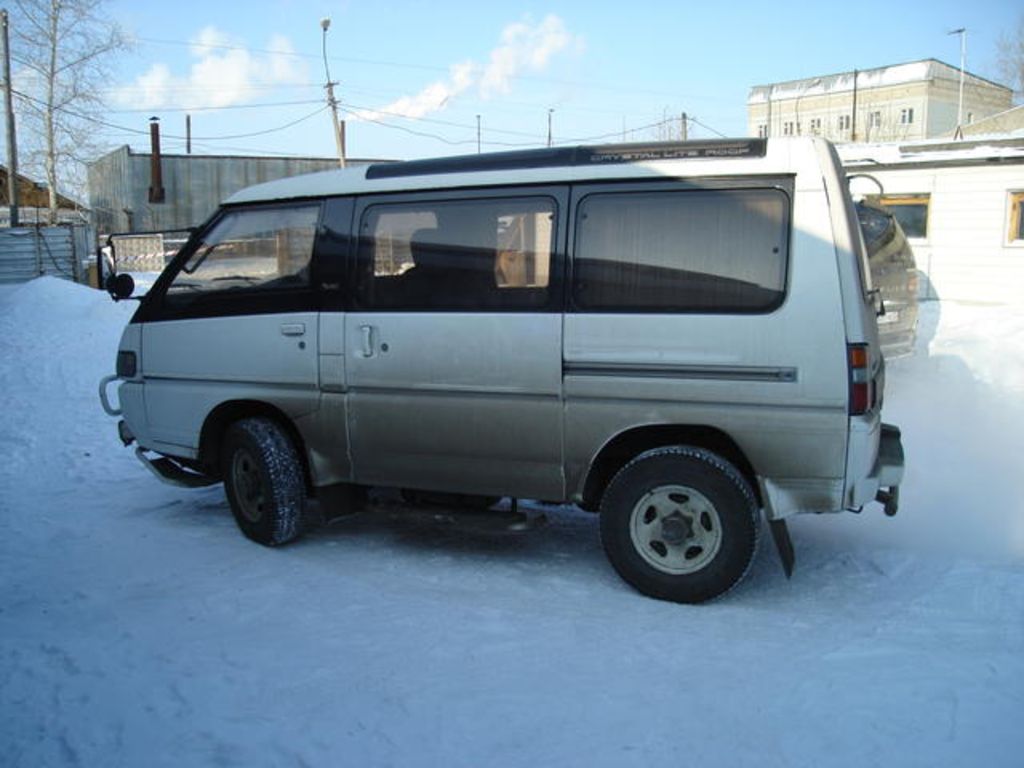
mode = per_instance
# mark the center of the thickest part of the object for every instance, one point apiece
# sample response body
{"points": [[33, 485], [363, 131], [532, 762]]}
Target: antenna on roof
{"points": [[962, 31]]}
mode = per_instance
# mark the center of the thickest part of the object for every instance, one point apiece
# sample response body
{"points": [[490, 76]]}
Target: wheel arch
{"points": [[627, 445], [227, 413]]}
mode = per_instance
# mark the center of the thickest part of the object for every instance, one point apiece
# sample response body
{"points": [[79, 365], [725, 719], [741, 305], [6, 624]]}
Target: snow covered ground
{"points": [[138, 627]]}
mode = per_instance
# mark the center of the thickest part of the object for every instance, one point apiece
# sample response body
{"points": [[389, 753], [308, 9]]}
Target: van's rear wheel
{"points": [[264, 481], [680, 524]]}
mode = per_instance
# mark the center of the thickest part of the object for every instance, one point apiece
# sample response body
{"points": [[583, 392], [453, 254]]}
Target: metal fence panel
{"points": [[30, 252]]}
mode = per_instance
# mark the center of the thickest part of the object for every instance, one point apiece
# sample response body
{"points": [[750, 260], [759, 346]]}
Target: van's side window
{"points": [[682, 251], [475, 254], [256, 249]]}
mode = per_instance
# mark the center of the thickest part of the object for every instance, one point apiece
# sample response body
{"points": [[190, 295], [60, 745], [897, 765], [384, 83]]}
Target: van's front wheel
{"points": [[264, 481], [680, 524]]}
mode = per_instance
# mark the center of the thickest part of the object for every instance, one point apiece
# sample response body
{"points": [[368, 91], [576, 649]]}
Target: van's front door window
{"points": [[252, 249]]}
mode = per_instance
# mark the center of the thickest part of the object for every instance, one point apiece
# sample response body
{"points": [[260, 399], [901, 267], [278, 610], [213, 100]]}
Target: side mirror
{"points": [[120, 286]]}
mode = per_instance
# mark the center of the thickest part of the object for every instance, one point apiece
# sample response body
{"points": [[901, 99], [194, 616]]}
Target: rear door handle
{"points": [[293, 329], [368, 334]]}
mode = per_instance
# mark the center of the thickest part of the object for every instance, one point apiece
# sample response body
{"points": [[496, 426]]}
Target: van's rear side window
{"points": [[682, 251]]}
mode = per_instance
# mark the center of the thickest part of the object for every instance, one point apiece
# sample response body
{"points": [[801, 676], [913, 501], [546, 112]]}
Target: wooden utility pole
{"points": [[12, 146], [339, 125]]}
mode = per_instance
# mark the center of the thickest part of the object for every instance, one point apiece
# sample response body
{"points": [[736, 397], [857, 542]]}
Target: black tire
{"points": [[264, 481], [680, 524]]}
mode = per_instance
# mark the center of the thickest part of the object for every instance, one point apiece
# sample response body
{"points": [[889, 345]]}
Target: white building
{"points": [[960, 204], [903, 102]]}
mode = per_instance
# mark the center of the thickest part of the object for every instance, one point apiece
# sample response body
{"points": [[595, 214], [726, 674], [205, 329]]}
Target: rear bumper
{"points": [[889, 464], [889, 469]]}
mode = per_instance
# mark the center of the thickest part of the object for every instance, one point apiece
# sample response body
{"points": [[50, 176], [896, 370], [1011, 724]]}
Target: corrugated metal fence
{"points": [[30, 252]]}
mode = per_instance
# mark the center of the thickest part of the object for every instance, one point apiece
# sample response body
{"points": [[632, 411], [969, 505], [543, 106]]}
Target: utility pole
{"points": [[478, 134], [339, 126], [853, 133], [959, 133], [188, 134], [12, 147], [550, 112], [684, 129]]}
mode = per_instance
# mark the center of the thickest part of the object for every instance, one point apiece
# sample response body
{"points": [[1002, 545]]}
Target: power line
{"points": [[263, 105], [107, 124], [360, 112]]}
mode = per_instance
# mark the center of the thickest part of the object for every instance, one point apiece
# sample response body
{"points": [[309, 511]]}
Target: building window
{"points": [[911, 211], [1016, 234], [875, 119], [762, 131], [970, 118], [787, 129], [907, 116], [844, 122], [815, 125]]}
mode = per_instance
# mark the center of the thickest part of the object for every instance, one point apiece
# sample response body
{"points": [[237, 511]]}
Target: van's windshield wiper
{"points": [[241, 278]]}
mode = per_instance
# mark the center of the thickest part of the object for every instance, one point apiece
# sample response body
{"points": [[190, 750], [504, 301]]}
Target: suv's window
{"points": [[246, 250], [682, 251], [457, 255]]}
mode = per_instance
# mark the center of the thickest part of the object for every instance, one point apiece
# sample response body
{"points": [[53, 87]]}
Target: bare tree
{"points": [[62, 49], [1011, 59]]}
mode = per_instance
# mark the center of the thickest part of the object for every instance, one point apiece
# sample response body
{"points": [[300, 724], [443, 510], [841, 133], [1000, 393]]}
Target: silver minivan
{"points": [[675, 335]]}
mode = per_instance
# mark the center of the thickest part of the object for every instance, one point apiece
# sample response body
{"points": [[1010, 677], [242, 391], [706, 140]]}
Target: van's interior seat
{"points": [[447, 275]]}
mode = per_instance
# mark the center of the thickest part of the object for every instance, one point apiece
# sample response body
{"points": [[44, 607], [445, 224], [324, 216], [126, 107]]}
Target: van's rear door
{"points": [[454, 343]]}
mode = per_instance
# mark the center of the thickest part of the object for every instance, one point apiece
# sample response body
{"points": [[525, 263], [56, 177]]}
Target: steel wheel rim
{"points": [[675, 529], [248, 484]]}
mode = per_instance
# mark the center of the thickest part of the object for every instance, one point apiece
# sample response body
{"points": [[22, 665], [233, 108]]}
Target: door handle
{"points": [[293, 329], [368, 333]]}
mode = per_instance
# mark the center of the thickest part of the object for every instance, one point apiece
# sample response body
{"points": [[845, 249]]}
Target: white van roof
{"points": [[720, 157]]}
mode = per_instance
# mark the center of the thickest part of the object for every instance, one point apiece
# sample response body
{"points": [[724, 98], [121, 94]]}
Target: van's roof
{"points": [[540, 166]]}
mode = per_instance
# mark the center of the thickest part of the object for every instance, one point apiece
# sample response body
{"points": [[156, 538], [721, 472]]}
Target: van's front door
{"points": [[234, 319], [454, 344]]}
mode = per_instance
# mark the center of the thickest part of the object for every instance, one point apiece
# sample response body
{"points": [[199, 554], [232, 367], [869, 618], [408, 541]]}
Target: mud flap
{"points": [[784, 545]]}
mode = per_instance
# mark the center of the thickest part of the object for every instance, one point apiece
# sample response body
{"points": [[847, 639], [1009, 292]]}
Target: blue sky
{"points": [[607, 70]]}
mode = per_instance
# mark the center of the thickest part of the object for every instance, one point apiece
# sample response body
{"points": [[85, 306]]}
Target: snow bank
{"points": [[137, 627]]}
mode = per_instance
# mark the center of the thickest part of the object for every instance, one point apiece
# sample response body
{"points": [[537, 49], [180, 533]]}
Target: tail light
{"points": [[859, 359]]}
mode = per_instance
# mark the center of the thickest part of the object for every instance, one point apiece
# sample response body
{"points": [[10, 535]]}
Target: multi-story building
{"points": [[903, 102]]}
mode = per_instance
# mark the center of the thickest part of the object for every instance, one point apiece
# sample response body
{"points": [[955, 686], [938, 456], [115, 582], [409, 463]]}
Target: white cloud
{"points": [[222, 74], [524, 47], [432, 98]]}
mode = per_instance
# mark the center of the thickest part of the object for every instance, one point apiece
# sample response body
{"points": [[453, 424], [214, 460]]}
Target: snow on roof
{"points": [[896, 74], [980, 148]]}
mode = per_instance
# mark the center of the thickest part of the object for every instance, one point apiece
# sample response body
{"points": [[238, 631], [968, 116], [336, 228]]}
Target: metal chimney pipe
{"points": [[156, 176]]}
